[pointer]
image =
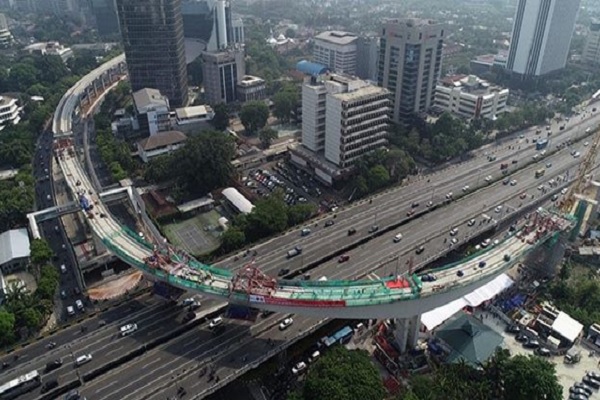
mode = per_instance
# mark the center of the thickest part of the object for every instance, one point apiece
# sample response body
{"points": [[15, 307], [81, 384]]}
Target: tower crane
{"points": [[585, 168]]}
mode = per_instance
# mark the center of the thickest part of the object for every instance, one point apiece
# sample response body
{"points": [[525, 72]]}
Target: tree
{"points": [[299, 213], [232, 239], [341, 374], [377, 177], [268, 217], [7, 327], [284, 103], [530, 377], [221, 119], [254, 116], [266, 136], [40, 251]]}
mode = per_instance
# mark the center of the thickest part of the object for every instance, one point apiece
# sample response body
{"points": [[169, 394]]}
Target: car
{"points": [[506, 181], [397, 238], [471, 222], [298, 368], [70, 310], [286, 323], [420, 249], [429, 204], [564, 191], [531, 344], [486, 243], [79, 305], [515, 161], [283, 271], [554, 197], [449, 196], [576, 155], [575, 390], [522, 338], [52, 365], [548, 165], [314, 356], [415, 205], [513, 182], [591, 382], [584, 387], [465, 188], [294, 252], [586, 144], [575, 396], [454, 240], [49, 385], [460, 274], [514, 329], [128, 329], [521, 136], [410, 213], [543, 352], [86, 358], [329, 223], [481, 264], [351, 231], [523, 196], [63, 269], [498, 209], [541, 187], [453, 231], [63, 294], [215, 322], [374, 229], [343, 258], [594, 375], [305, 232], [488, 178]]}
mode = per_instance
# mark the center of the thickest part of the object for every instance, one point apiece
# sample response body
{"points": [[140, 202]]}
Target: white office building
{"points": [[152, 111], [344, 117], [9, 111], [470, 97], [159, 144], [541, 36], [336, 50], [591, 51]]}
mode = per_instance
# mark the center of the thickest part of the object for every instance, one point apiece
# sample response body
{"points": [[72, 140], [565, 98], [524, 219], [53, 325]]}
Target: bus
{"points": [[20, 385], [540, 172], [541, 144]]}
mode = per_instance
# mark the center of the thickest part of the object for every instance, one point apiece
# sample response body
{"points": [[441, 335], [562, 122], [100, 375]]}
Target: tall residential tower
{"points": [[152, 33], [410, 63], [541, 36]]}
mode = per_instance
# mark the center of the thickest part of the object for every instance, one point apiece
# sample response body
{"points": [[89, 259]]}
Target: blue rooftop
{"points": [[311, 68]]}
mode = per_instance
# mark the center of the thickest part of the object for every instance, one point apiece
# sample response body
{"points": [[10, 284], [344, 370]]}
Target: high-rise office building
{"points": [[410, 63], [336, 50], [6, 38], [343, 117], [541, 36], [367, 52], [591, 51], [221, 73], [105, 13], [152, 33]]}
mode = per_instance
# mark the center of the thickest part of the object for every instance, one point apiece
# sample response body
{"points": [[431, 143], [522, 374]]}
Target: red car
{"points": [[343, 258]]}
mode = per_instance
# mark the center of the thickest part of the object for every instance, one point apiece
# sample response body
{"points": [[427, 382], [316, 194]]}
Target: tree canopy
{"points": [[342, 374], [285, 102], [254, 116], [40, 251]]}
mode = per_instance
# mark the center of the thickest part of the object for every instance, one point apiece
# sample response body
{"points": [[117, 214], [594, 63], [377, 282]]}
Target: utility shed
{"points": [[14, 250], [567, 327], [238, 201]]}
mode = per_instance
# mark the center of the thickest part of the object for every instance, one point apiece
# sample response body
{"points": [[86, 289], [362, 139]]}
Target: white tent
{"points": [[437, 316], [567, 327]]}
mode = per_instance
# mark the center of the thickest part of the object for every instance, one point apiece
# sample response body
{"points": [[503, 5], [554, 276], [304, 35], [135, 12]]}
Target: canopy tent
{"points": [[567, 327], [435, 317]]}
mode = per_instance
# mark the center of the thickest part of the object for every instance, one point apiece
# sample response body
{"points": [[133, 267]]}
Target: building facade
{"points": [[159, 144], [251, 88], [336, 50], [470, 97], [152, 32], [6, 38], [152, 111], [9, 112], [222, 71], [367, 53], [591, 51], [410, 63], [105, 14], [343, 117], [541, 36], [14, 250]]}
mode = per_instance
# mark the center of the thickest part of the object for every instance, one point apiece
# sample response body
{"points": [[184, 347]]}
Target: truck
{"points": [[541, 144], [540, 172], [294, 252], [85, 204]]}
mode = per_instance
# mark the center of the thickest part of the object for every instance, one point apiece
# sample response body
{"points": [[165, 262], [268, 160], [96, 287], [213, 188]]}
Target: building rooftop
{"points": [[365, 91], [469, 84], [311, 68], [410, 22], [337, 37], [249, 80], [193, 112], [162, 139], [238, 200], [14, 244], [147, 97]]}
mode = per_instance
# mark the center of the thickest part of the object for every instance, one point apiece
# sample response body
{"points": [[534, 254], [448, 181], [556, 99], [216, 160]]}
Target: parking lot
{"points": [[298, 186], [568, 374]]}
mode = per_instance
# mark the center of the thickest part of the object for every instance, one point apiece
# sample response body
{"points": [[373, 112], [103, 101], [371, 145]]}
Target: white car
{"points": [[429, 203], [577, 154], [128, 329], [215, 322], [498, 209], [449, 195], [586, 144], [488, 178], [465, 188], [564, 191], [313, 357], [286, 323], [541, 187], [453, 231], [70, 310], [486, 243], [471, 222], [454, 240], [513, 183], [301, 366], [397, 238], [86, 358]]}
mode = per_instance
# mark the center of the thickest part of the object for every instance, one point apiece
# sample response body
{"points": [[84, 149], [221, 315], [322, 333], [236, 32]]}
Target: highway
{"points": [[361, 262]]}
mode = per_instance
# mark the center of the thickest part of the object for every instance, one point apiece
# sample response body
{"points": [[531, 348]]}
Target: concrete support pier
{"points": [[406, 332]]}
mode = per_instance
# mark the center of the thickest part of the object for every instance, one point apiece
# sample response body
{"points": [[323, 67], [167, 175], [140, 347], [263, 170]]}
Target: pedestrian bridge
{"points": [[397, 296]]}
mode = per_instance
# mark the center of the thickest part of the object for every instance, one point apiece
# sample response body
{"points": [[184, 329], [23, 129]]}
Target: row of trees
{"points": [[271, 215], [502, 377], [23, 312], [382, 168]]}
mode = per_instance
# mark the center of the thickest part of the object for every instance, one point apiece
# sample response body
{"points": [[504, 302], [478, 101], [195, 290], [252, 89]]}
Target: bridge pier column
{"points": [[406, 332], [98, 245]]}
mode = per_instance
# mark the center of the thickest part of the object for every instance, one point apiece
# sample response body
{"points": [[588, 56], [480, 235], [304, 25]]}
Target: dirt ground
{"points": [[115, 287]]}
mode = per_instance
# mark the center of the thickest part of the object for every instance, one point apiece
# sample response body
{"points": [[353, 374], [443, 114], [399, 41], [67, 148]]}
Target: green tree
{"points": [[530, 377], [377, 177], [7, 327], [40, 251], [266, 136], [285, 103], [232, 239], [221, 119], [268, 217], [342, 374], [299, 213], [254, 116]]}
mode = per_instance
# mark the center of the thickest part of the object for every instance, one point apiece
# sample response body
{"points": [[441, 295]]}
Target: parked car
{"points": [[543, 352], [514, 329], [298, 368]]}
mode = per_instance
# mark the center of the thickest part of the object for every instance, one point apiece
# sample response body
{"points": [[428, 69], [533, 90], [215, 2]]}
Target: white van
{"points": [[79, 305], [397, 238], [128, 329], [70, 310]]}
